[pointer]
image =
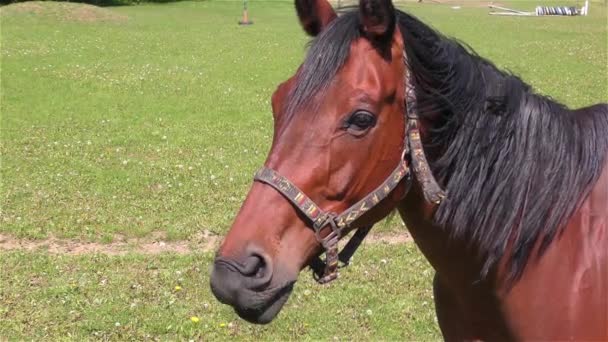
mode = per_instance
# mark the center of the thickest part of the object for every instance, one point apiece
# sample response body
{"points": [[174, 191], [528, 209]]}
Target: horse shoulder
{"points": [[564, 293]]}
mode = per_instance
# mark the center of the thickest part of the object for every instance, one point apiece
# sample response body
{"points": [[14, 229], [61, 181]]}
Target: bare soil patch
{"points": [[155, 243], [388, 238], [64, 11]]}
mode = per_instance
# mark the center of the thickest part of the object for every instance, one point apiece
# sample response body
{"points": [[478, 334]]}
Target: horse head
{"points": [[336, 160]]}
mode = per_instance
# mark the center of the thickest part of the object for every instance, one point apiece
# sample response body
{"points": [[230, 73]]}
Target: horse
{"points": [[504, 190]]}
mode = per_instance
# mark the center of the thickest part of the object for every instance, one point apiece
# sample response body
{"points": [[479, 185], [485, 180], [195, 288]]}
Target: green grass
{"points": [[46, 297], [155, 117], [159, 121]]}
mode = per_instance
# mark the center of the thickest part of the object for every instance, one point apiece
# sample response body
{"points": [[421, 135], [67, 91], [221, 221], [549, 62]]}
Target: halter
{"points": [[322, 221]]}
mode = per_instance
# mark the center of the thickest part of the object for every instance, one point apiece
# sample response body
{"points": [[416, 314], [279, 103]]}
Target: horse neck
{"points": [[452, 259]]}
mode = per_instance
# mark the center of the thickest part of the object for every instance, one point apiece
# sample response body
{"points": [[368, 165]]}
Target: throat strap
{"points": [[431, 190]]}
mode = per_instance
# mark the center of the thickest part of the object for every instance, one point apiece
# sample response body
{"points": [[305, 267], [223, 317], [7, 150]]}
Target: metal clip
{"points": [[324, 220]]}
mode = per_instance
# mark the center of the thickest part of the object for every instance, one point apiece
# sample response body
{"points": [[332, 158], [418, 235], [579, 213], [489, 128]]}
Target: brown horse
{"points": [[504, 191]]}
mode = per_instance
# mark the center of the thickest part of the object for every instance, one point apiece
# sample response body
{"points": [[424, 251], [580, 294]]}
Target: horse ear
{"points": [[377, 18], [315, 15]]}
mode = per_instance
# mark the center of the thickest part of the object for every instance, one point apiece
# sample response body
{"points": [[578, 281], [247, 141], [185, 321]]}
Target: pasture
{"points": [[129, 136]]}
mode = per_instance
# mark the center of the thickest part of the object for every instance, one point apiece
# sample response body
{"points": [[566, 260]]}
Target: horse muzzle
{"points": [[250, 287]]}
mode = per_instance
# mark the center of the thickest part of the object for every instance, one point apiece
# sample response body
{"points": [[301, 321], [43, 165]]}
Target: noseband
{"points": [[328, 226]]}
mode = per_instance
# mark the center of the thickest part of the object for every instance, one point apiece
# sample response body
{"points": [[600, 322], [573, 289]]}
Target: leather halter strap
{"points": [[431, 190], [335, 223], [322, 221]]}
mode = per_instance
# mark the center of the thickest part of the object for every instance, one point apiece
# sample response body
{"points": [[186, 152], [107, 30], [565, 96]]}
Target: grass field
{"points": [[129, 121]]}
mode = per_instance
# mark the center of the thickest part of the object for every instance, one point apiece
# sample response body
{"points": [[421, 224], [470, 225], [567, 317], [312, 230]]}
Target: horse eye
{"points": [[361, 120]]}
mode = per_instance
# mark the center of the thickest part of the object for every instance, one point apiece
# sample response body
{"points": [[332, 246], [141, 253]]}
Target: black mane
{"points": [[515, 164]]}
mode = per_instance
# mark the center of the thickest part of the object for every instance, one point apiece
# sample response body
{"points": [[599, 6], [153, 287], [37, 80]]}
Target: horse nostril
{"points": [[258, 270], [261, 267], [253, 266], [254, 272]]}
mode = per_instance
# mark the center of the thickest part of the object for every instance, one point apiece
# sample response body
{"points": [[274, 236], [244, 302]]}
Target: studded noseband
{"points": [[329, 227]]}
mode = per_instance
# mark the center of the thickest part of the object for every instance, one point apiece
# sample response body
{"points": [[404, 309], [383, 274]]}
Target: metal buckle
{"points": [[324, 220]]}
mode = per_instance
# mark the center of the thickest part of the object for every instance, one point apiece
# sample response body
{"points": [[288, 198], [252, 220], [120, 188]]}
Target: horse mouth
{"points": [[258, 307], [272, 304]]}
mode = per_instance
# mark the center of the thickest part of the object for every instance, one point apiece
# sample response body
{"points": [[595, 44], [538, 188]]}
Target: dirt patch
{"points": [[155, 243], [388, 238], [64, 11]]}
